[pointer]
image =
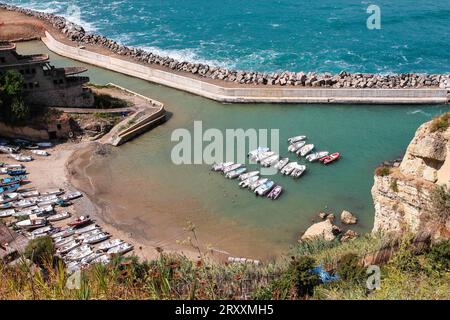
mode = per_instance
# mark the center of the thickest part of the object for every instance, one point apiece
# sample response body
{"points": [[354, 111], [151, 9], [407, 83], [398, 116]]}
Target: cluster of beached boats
{"points": [[34, 214], [15, 149], [249, 180]]}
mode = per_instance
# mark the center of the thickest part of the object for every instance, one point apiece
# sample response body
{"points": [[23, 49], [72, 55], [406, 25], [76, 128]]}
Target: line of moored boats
{"points": [[14, 147]]}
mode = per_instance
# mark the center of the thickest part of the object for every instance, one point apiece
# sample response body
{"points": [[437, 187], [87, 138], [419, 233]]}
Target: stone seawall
{"points": [[344, 79], [254, 94]]}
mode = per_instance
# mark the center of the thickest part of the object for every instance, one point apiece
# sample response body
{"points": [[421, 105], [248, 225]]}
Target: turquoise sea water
{"points": [[270, 35]]}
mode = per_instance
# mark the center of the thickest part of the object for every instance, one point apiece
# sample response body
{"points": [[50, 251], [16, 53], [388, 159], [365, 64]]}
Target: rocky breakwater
{"points": [[413, 196], [344, 79]]}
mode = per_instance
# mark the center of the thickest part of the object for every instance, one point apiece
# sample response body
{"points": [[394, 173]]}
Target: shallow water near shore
{"points": [[153, 198]]}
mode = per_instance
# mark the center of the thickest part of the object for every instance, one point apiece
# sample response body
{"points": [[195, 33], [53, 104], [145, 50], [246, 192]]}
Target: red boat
{"points": [[81, 221], [332, 157]]}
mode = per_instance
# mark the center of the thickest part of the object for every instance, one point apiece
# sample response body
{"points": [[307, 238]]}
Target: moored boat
{"points": [[58, 216], [247, 175], [316, 156], [120, 249], [99, 237], [235, 173], [280, 164], [7, 213], [275, 192], [105, 246], [264, 188], [80, 222], [220, 166], [71, 195], [258, 183], [245, 183], [332, 157], [32, 223], [261, 156], [232, 167], [303, 151], [41, 153], [296, 139], [298, 171], [288, 168], [8, 197], [294, 147], [254, 153], [10, 188], [270, 160], [68, 247]]}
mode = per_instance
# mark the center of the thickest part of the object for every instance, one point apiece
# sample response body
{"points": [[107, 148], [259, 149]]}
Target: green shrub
{"points": [[304, 279], [382, 171], [440, 198], [440, 123], [40, 250], [404, 259], [349, 269], [106, 101], [438, 259], [394, 185]]}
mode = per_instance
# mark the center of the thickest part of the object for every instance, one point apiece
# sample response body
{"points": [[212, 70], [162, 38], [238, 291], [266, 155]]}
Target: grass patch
{"points": [[440, 123], [106, 101], [394, 185], [382, 171]]}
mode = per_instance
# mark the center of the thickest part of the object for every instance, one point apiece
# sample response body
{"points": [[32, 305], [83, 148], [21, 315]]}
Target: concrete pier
{"points": [[251, 94]]}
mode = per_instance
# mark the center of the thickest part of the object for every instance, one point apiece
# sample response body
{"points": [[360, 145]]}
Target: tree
{"points": [[13, 109], [305, 280], [40, 250]]}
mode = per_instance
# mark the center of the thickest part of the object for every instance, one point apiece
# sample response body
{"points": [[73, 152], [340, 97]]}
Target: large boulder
{"points": [[320, 230], [348, 218]]}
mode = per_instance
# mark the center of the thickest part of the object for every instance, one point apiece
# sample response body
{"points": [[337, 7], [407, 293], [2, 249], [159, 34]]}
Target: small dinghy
{"points": [[260, 157], [32, 223], [41, 153], [295, 139], [60, 242], [220, 166], [298, 171], [11, 180], [68, 247], [105, 246], [254, 153], [232, 168], [16, 172], [88, 228], [7, 213], [264, 188], [332, 157], [89, 234], [44, 144], [235, 173], [305, 150], [30, 194], [245, 183], [316, 156], [59, 216], [120, 249], [294, 147], [23, 203], [8, 197], [270, 160], [247, 175], [258, 183], [72, 195], [63, 233], [53, 192], [280, 164], [80, 222], [288, 168], [14, 166], [78, 253], [11, 188], [43, 230], [99, 237], [21, 157], [275, 193]]}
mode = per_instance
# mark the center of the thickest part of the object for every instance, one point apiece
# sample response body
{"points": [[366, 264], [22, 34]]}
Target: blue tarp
{"points": [[324, 276]]}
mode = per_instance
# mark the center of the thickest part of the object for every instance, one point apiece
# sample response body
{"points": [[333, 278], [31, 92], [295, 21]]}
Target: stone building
{"points": [[43, 83]]}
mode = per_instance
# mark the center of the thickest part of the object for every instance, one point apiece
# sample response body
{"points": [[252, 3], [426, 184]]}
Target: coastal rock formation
{"points": [[349, 235], [322, 230], [408, 198], [343, 79], [348, 218]]}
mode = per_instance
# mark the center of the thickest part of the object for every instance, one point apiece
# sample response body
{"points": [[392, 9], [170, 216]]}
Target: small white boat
{"points": [[264, 188], [32, 223], [245, 183], [59, 216], [78, 253], [23, 203], [21, 157], [99, 237], [316, 155], [247, 175], [44, 144], [109, 244], [232, 167], [42, 230], [14, 166], [297, 172], [30, 194], [220, 166], [280, 164], [92, 256], [41, 153], [72, 195], [305, 150], [260, 157], [120, 249], [88, 228], [7, 213], [6, 149], [270, 160], [67, 232], [68, 247], [53, 192], [103, 259], [256, 184], [8, 197], [296, 139], [235, 173], [89, 234], [254, 153], [294, 147], [60, 242], [288, 168]]}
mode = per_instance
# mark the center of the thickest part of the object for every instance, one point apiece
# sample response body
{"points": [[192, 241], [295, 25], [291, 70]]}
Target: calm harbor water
{"points": [[144, 183]]}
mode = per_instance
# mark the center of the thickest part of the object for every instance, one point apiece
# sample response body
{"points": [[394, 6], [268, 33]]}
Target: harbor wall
{"points": [[251, 94]]}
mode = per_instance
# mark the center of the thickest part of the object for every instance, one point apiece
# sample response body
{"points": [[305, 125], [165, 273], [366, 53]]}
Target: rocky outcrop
{"points": [[348, 218], [343, 79], [320, 230], [405, 200]]}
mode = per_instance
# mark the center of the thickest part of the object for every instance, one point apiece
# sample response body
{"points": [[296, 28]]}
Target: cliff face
{"points": [[405, 199]]}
